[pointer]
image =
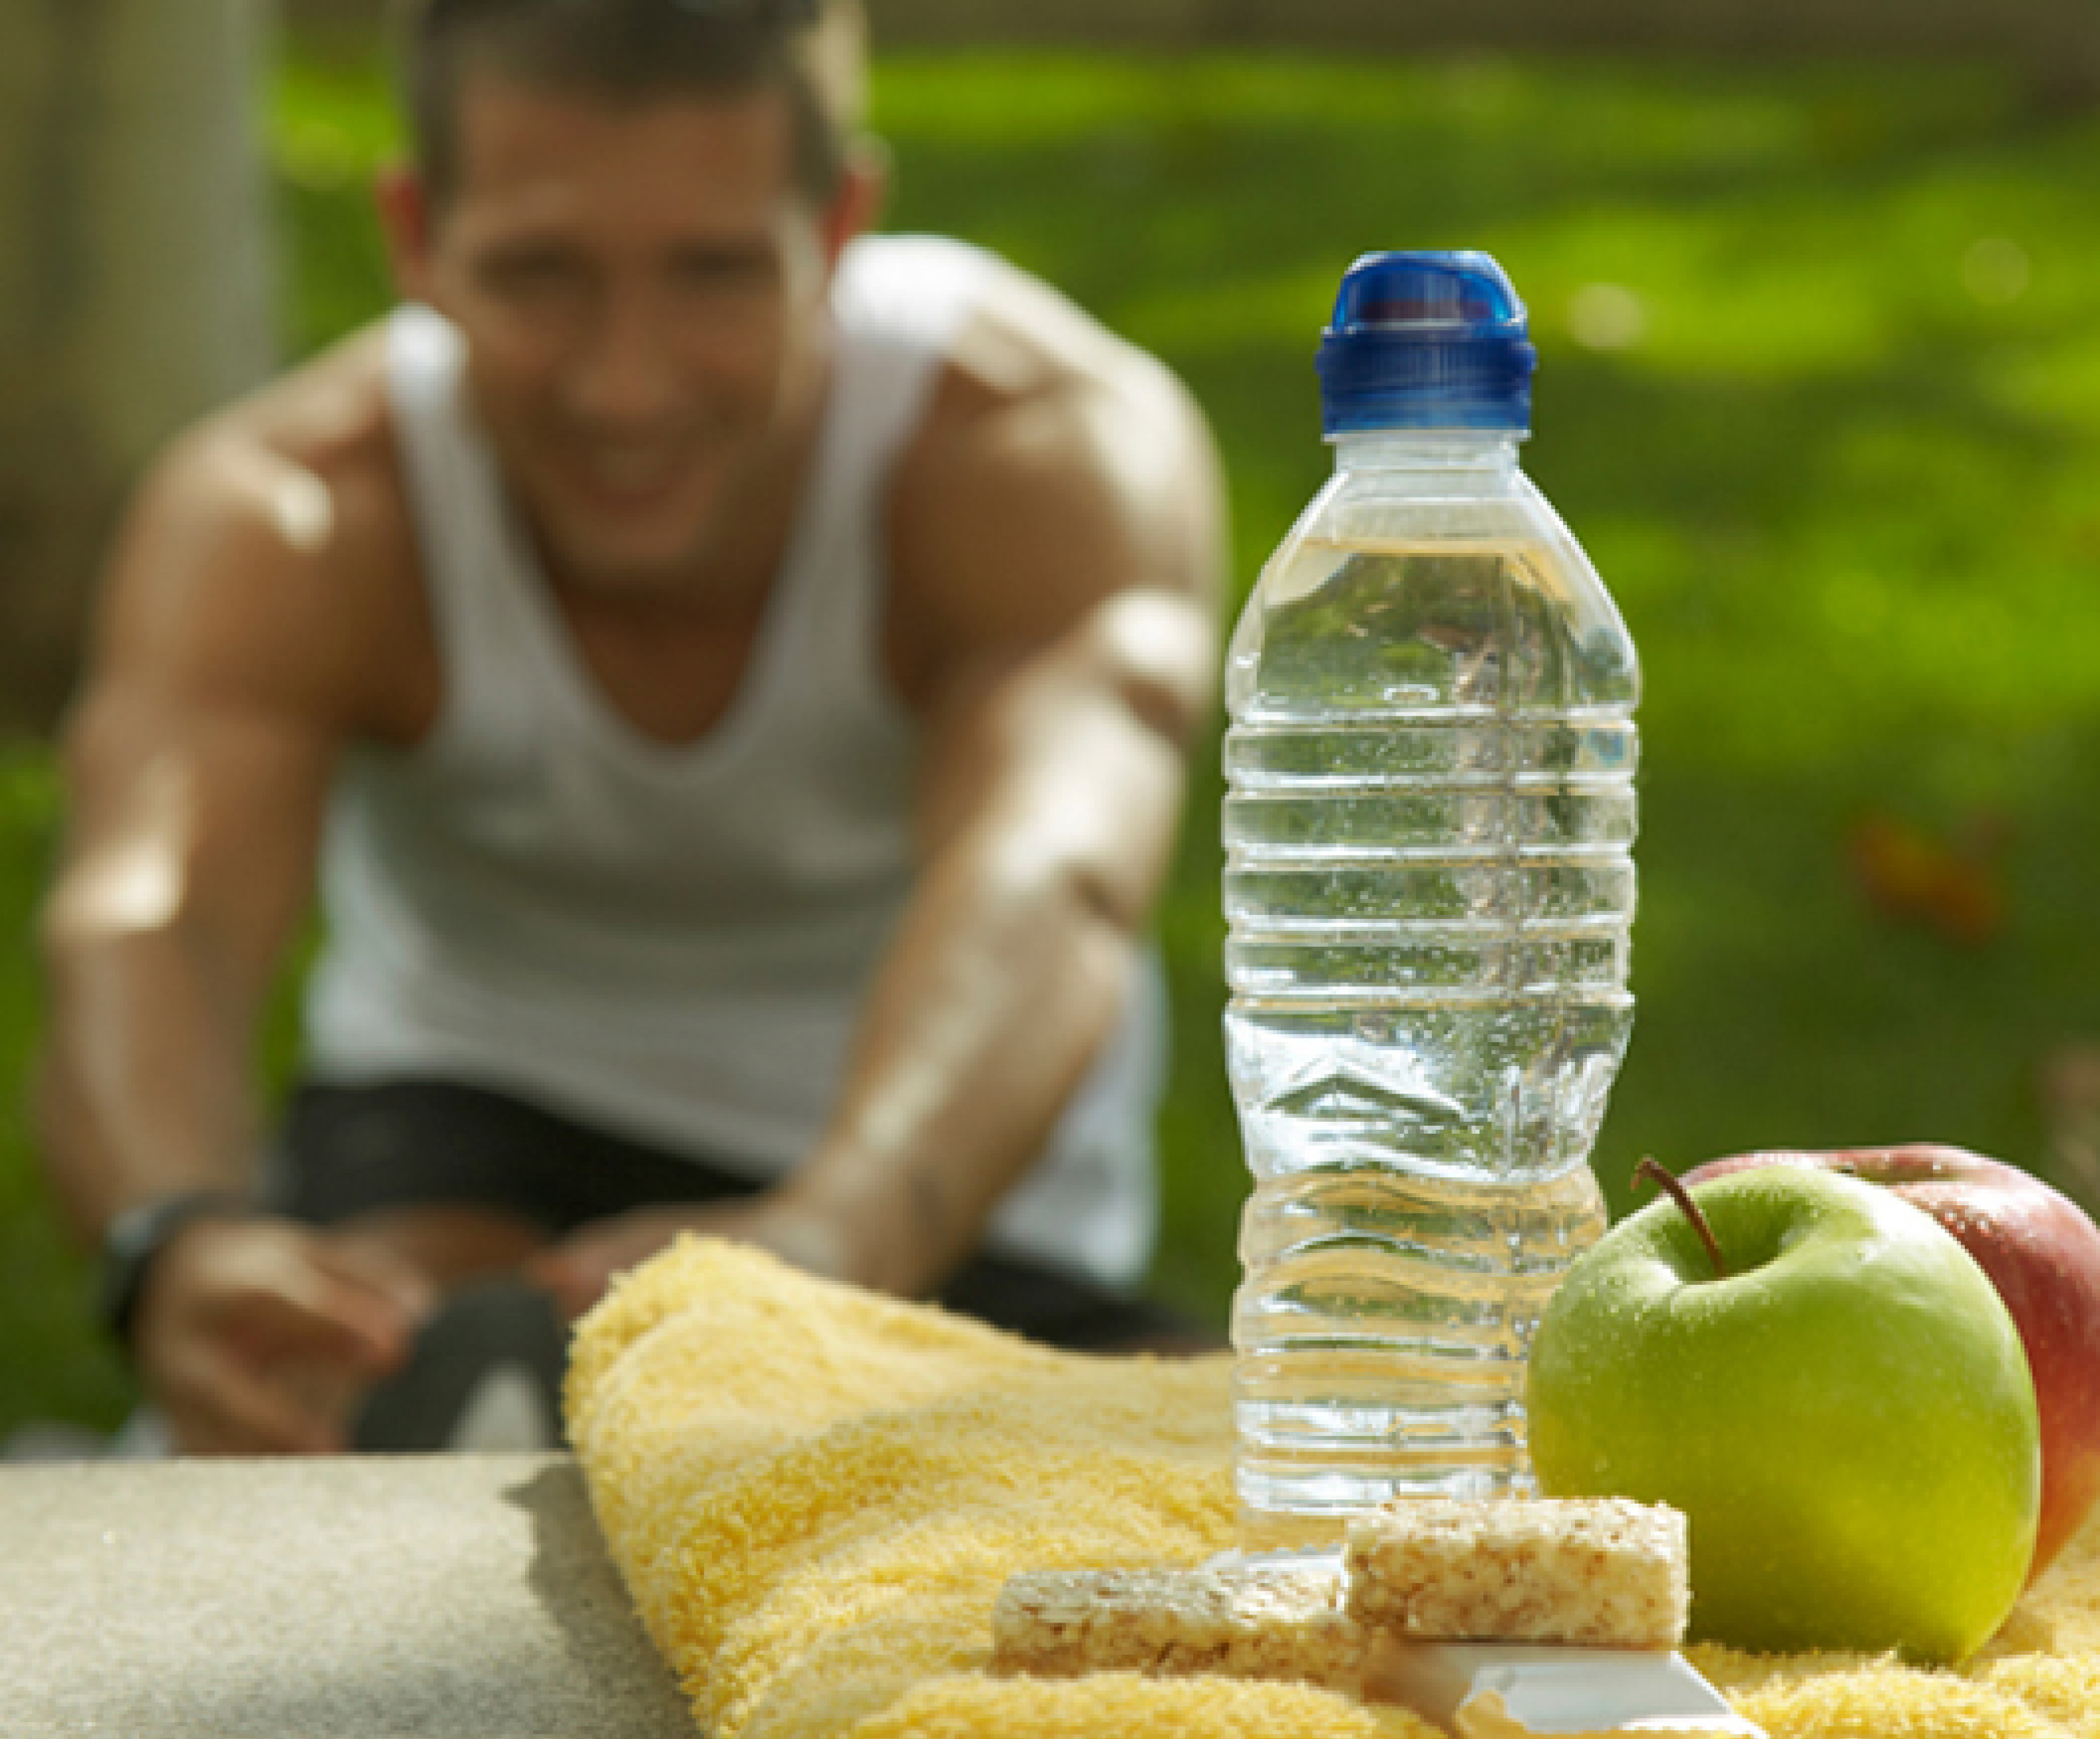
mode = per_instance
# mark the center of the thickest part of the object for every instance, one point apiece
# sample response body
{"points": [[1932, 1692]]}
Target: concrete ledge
{"points": [[439, 1597]]}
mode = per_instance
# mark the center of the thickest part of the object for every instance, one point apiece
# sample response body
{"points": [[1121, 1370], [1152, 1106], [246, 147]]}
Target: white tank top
{"points": [[672, 942]]}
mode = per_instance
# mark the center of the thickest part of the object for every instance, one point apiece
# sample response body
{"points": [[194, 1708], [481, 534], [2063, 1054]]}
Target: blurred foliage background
{"points": [[1819, 388]]}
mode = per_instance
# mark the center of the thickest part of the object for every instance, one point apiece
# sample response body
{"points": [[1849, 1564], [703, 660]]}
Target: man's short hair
{"points": [[813, 52]]}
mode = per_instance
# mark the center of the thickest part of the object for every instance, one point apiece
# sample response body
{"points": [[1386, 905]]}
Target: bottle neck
{"points": [[1467, 461]]}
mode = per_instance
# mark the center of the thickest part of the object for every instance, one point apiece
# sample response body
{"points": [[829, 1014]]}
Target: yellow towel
{"points": [[814, 1495]]}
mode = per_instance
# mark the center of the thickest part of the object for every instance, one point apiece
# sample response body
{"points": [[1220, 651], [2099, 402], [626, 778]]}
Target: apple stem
{"points": [[1648, 1171]]}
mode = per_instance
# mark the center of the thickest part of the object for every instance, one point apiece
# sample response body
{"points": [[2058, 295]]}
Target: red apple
{"points": [[2043, 1254]]}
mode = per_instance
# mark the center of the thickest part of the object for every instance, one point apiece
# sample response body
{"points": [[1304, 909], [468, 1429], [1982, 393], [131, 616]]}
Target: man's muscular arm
{"points": [[1055, 551], [1050, 821], [196, 764]]}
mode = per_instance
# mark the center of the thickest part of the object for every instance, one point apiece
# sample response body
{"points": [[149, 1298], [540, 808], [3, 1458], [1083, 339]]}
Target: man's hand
{"points": [[579, 1269], [260, 1337]]}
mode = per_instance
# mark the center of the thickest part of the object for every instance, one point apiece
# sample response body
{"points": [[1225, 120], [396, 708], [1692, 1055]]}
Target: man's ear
{"points": [[863, 190], [405, 219]]}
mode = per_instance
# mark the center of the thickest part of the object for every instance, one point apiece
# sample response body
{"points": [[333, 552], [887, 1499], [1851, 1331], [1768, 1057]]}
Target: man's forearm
{"points": [[1055, 536], [141, 1090], [1050, 806], [1001, 989]]}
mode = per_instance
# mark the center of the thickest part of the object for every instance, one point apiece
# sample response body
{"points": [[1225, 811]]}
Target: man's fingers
{"points": [[216, 1406], [273, 1295], [380, 1300], [258, 1337], [310, 1312], [370, 1266]]}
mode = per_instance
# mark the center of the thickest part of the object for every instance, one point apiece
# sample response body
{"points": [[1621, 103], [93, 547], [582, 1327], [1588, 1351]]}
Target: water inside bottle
{"points": [[1430, 886]]}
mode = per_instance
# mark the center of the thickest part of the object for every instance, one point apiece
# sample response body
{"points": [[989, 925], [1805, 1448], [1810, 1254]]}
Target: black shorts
{"points": [[349, 1150]]}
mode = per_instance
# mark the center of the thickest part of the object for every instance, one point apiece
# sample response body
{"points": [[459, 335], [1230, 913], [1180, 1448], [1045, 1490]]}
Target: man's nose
{"points": [[623, 372]]}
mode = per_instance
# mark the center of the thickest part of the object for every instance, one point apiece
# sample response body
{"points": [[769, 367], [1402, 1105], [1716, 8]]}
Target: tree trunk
{"points": [[135, 289]]}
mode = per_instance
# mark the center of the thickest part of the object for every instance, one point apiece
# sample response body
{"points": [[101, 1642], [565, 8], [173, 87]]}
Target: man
{"points": [[730, 674]]}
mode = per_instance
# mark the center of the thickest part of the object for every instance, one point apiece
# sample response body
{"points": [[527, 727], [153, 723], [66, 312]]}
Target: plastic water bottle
{"points": [[1429, 884]]}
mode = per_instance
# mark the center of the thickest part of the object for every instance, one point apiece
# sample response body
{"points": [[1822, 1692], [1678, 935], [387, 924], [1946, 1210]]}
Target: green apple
{"points": [[1845, 1415]]}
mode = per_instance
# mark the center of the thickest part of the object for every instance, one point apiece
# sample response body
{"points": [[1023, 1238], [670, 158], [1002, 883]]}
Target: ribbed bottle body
{"points": [[1430, 889]]}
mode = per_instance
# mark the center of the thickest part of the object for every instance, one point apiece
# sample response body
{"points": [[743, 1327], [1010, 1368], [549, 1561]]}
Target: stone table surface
{"points": [[395, 1597]]}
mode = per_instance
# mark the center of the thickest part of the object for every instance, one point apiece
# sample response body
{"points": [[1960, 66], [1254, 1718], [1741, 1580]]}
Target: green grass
{"points": [[1843, 486]]}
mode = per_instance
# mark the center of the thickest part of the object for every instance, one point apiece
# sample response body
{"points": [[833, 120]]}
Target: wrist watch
{"points": [[135, 1239]]}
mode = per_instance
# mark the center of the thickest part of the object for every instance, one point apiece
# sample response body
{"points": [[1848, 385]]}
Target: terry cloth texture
{"points": [[816, 1495]]}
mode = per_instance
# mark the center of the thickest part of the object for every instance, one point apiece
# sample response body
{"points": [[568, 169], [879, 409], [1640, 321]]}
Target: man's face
{"points": [[643, 295]]}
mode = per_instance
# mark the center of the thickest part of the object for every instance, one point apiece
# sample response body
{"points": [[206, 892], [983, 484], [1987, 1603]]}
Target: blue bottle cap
{"points": [[1430, 340]]}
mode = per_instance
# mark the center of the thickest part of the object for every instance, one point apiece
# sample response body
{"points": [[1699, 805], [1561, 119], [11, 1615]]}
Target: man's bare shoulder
{"points": [[1057, 465], [330, 414], [1024, 336], [270, 557], [1029, 355]]}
